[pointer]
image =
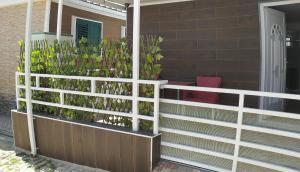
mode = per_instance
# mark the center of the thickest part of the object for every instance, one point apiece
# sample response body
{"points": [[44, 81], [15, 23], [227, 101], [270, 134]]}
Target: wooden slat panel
{"points": [[89, 154], [141, 154], [41, 128], [58, 142], [156, 150], [20, 129], [77, 142], [126, 153], [101, 151], [94, 147], [68, 146], [113, 152]]}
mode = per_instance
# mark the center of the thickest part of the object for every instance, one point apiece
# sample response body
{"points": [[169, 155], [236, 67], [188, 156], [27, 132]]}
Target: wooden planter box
{"points": [[90, 145]]}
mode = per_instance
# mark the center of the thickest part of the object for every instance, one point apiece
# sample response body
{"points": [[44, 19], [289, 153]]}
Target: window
{"points": [[91, 30]]}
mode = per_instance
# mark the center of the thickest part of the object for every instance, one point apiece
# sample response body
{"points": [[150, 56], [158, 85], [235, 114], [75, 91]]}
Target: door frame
{"points": [[262, 6]]}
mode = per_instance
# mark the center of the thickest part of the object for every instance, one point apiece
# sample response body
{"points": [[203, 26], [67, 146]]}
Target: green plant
{"points": [[108, 59]]}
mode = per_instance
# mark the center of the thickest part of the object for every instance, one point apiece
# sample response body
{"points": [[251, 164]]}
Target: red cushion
{"points": [[206, 81], [205, 97]]}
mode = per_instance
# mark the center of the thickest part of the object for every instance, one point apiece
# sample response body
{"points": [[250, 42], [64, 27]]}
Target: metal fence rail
{"points": [[176, 148], [92, 92], [212, 136]]}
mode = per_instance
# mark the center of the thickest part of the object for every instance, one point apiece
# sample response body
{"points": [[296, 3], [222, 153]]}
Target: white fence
{"points": [[241, 125], [263, 139], [93, 80]]}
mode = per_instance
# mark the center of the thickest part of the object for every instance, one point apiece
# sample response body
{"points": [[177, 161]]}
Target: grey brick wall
{"points": [[207, 37], [12, 29]]}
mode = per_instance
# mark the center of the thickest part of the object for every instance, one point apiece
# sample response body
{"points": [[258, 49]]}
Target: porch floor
{"points": [[10, 161]]}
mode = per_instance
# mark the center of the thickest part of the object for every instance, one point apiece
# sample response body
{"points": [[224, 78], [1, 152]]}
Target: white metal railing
{"points": [[239, 126], [92, 92]]}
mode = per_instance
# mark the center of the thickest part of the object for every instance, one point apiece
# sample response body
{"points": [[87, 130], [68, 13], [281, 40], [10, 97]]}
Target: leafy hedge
{"points": [[108, 59]]}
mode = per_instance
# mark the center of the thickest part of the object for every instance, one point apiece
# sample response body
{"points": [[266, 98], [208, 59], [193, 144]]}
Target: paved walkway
{"points": [[10, 161], [5, 125]]}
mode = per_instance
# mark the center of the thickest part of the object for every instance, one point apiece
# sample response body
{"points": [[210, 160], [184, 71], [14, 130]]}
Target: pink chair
{"points": [[205, 97]]}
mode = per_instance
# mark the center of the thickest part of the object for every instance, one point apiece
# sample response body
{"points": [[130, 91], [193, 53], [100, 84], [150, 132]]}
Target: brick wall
{"points": [[12, 29], [111, 26], [207, 37]]}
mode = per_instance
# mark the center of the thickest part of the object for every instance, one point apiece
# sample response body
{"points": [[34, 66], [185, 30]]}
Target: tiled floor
{"points": [[10, 161], [166, 166]]}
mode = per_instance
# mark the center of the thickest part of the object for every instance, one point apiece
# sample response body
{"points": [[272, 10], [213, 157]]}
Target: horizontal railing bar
{"points": [[82, 93], [144, 117], [266, 165], [234, 91], [151, 82], [199, 104], [196, 88], [193, 163], [80, 108], [200, 120], [148, 118], [198, 135], [198, 150], [87, 78], [272, 113], [270, 149], [144, 99], [272, 131]]}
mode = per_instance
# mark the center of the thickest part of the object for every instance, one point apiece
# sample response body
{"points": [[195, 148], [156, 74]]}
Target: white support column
{"points": [[156, 108], [27, 77], [238, 132], [59, 20], [47, 16], [136, 63]]}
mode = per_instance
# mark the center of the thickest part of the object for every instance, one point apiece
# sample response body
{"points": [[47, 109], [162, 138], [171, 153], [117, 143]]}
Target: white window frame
{"points": [[73, 26]]}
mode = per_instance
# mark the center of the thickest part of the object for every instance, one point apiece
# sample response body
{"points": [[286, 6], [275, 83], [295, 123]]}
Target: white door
{"points": [[274, 63]]}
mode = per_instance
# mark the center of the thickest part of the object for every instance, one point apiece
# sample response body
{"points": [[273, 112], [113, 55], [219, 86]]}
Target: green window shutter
{"points": [[94, 35], [88, 29], [81, 29]]}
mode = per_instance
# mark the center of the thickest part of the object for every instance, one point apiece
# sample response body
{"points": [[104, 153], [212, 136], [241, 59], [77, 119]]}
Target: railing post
{"points": [[17, 91], [37, 81], [156, 108], [93, 86], [238, 132], [62, 98]]}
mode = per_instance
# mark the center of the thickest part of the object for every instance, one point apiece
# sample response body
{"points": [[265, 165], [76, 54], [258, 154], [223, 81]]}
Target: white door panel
{"points": [[274, 68]]}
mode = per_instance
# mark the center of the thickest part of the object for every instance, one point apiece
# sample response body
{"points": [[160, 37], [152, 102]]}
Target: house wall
{"points": [[111, 26], [12, 29], [207, 37]]}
